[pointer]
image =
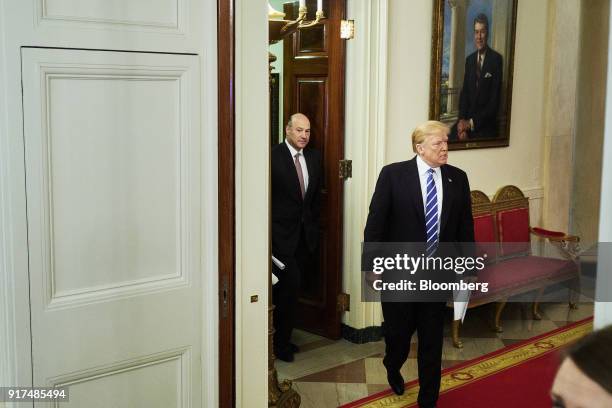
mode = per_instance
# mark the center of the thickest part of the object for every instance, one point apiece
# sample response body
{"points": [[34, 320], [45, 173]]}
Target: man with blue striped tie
{"points": [[422, 200]]}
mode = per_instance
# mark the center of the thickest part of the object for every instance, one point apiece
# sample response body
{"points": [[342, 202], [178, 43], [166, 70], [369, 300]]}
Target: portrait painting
{"points": [[471, 70]]}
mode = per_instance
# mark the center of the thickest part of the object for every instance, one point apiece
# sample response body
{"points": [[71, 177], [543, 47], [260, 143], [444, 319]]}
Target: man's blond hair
{"points": [[431, 127]]}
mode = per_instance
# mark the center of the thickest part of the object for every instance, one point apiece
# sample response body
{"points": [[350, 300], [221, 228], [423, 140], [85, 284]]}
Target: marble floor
{"points": [[329, 373]]}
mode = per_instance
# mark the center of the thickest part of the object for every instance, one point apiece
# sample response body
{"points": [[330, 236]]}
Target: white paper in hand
{"points": [[459, 310], [279, 265]]}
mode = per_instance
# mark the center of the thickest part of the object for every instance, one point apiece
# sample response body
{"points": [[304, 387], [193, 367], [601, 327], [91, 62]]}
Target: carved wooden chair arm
{"points": [[568, 243], [553, 235]]}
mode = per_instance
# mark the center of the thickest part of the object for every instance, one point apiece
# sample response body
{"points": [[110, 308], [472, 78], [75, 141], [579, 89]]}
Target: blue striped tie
{"points": [[431, 214]]}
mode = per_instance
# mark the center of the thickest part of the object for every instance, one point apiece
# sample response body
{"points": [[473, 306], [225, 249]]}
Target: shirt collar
{"points": [[423, 167], [292, 149]]}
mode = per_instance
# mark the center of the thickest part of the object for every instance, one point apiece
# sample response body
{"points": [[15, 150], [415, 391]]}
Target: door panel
{"points": [[139, 13], [132, 383], [314, 61], [112, 156], [135, 25]]}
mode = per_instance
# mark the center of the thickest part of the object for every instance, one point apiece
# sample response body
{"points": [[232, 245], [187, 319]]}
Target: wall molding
{"points": [[175, 25], [209, 107], [7, 365], [560, 119], [366, 114], [182, 356], [533, 193], [42, 161], [252, 189]]}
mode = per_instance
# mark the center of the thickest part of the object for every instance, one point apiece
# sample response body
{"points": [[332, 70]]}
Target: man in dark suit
{"points": [[296, 202], [480, 93], [422, 200]]}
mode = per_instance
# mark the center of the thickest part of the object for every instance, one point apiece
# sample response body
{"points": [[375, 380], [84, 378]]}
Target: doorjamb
{"points": [[365, 121], [15, 348], [226, 202]]}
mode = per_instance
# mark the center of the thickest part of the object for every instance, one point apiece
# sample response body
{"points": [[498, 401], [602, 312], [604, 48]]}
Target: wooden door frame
{"points": [[334, 57], [226, 202]]}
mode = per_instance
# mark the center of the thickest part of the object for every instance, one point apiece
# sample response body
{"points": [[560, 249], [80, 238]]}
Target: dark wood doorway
{"points": [[314, 67], [226, 203]]}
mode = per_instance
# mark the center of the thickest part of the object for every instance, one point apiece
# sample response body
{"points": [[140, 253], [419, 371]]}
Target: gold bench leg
{"points": [[574, 291], [499, 306], [455, 333], [535, 311]]}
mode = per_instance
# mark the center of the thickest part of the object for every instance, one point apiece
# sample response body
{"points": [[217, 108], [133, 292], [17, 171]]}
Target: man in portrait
{"points": [[480, 93], [296, 206]]}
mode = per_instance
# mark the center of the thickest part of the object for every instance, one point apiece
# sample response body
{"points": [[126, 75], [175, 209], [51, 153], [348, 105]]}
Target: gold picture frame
{"points": [[474, 101]]}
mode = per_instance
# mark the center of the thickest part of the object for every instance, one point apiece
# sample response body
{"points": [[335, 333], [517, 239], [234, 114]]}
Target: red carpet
{"points": [[515, 376], [529, 381]]}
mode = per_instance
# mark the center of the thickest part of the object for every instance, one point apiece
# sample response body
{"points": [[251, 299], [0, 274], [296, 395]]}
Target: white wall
{"points": [[560, 111], [408, 74], [408, 96], [252, 191], [590, 115]]}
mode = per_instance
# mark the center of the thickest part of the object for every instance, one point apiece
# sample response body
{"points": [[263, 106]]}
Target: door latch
{"points": [[343, 303]]}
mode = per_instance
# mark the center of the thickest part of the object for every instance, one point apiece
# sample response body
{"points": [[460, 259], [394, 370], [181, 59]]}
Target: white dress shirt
{"points": [[423, 168], [481, 57], [293, 152]]}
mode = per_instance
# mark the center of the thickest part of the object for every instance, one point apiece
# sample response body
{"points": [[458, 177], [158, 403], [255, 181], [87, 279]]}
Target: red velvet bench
{"points": [[511, 268]]}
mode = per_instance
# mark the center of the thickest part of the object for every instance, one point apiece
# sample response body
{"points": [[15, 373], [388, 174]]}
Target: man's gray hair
{"points": [[290, 121]]}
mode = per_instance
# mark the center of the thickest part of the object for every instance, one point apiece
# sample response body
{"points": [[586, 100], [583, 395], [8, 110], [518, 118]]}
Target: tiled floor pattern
{"points": [[329, 373]]}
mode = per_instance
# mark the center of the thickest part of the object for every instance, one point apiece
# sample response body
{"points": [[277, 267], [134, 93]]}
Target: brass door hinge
{"points": [[344, 302], [347, 29], [346, 169]]}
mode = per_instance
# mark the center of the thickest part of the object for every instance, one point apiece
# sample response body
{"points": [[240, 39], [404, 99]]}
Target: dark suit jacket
{"points": [[397, 213], [289, 211], [481, 103]]}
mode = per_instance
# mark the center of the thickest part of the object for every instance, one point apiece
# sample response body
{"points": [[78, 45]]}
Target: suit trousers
{"points": [[400, 322], [286, 292]]}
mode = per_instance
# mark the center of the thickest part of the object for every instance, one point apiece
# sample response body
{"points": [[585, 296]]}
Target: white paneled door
{"points": [[113, 164]]}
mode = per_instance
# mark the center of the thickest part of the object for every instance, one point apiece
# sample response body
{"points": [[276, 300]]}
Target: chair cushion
{"points": [[524, 273], [513, 229], [484, 235]]}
